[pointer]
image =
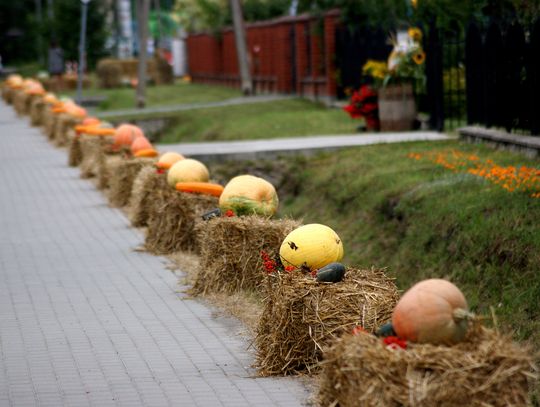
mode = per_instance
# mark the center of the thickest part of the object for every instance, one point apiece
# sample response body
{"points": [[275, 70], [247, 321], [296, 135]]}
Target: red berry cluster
{"points": [[393, 342], [270, 266], [160, 171], [229, 213]]}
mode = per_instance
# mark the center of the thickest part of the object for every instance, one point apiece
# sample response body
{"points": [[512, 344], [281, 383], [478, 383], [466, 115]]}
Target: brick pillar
{"points": [[331, 20]]}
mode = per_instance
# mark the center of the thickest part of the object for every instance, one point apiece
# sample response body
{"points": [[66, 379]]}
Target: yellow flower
{"points": [[415, 34], [419, 57]]}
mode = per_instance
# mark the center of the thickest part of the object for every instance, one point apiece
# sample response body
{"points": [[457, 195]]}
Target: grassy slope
{"points": [[286, 118], [421, 220], [124, 98]]}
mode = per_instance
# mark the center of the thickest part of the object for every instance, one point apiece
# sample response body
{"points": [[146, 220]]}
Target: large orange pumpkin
{"points": [[247, 194], [74, 109], [167, 160], [432, 311], [188, 170], [125, 135], [140, 143]]}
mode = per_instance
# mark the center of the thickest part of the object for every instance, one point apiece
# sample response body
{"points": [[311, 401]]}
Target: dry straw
{"points": [[122, 174], [485, 370], [64, 124], [93, 149], [74, 149], [171, 225], [302, 317], [20, 102], [7, 94], [146, 186], [36, 111], [106, 163], [231, 251]]}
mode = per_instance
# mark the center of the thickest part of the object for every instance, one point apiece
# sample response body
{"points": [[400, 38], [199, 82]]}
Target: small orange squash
{"points": [[205, 188], [91, 121], [148, 152], [125, 134], [140, 143], [432, 311], [167, 160]]}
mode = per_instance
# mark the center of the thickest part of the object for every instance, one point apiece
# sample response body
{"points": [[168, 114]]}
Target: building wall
{"points": [[287, 55]]}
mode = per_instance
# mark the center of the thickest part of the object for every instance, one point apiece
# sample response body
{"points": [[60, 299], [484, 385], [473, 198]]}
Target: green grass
{"points": [[179, 93], [421, 220], [285, 118]]}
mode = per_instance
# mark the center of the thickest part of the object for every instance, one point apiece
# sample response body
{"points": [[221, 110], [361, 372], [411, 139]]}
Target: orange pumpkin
{"points": [[125, 134], [432, 311], [167, 160], [140, 143]]}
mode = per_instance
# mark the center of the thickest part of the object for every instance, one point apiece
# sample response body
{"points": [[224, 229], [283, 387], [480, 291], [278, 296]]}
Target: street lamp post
{"points": [[82, 46]]}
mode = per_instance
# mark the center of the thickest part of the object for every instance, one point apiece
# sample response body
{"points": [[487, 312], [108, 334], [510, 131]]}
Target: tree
{"points": [[65, 29]]}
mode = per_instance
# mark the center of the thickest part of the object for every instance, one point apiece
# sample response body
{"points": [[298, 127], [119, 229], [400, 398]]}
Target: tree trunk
{"points": [[142, 19], [241, 47]]}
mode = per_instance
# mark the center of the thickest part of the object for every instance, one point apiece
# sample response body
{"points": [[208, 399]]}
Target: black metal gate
{"points": [[503, 76], [353, 48]]}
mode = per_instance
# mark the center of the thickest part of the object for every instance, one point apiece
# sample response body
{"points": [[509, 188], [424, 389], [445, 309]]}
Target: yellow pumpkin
{"points": [[167, 160], [50, 98], [432, 311], [188, 170], [247, 194], [311, 246]]}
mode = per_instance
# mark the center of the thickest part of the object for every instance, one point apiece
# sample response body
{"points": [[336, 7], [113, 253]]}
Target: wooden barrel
{"points": [[397, 108]]}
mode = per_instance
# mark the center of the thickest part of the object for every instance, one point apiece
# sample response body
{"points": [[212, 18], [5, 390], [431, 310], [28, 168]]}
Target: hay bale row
{"points": [[146, 187], [231, 251], [122, 174], [171, 226], [302, 317], [93, 150], [487, 369], [20, 100]]}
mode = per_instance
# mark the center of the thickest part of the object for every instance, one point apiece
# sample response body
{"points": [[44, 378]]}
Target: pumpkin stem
{"points": [[461, 314]]}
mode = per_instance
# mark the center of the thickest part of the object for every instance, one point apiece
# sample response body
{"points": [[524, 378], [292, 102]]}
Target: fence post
{"points": [[434, 74]]}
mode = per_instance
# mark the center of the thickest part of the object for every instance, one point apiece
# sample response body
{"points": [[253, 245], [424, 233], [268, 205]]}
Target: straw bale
{"points": [[64, 123], [122, 175], [36, 111], [171, 225], [302, 317], [147, 184], [106, 162], [19, 102], [487, 369], [92, 148], [47, 120], [7, 94], [74, 149], [50, 125], [231, 251]]}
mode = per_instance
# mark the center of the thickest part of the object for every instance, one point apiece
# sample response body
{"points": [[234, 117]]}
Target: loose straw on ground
{"points": [[302, 317]]}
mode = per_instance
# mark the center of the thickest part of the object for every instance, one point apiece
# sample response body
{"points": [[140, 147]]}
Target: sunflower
{"points": [[419, 57], [415, 34]]}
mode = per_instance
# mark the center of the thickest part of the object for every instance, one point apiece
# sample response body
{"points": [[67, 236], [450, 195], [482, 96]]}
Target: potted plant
{"points": [[396, 80]]}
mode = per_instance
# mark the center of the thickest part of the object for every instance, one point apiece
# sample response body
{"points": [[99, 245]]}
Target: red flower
{"points": [[229, 213], [290, 268], [160, 171], [393, 342]]}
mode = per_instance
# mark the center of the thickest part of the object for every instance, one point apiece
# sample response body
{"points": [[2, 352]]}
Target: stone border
{"points": [[527, 145]]}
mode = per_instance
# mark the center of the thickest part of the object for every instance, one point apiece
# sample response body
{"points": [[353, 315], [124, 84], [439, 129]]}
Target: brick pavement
{"points": [[84, 319]]}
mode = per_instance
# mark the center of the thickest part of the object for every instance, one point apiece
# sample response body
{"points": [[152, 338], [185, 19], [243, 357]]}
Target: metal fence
{"points": [[503, 76]]}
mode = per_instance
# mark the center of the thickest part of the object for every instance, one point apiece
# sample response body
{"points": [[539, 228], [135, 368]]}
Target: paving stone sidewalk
{"points": [[84, 319]]}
